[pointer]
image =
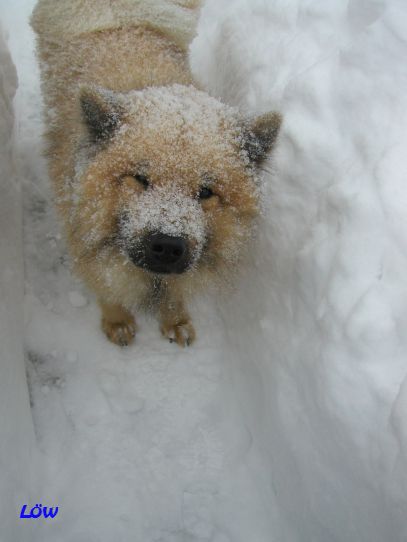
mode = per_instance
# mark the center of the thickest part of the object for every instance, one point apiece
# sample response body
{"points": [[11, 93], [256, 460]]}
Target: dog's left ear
{"points": [[260, 136]]}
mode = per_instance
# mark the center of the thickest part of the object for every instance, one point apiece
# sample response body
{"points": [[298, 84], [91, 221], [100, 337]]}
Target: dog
{"points": [[155, 180]]}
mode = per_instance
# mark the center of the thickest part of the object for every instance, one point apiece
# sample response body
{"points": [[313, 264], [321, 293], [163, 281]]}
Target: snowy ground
{"points": [[286, 422]]}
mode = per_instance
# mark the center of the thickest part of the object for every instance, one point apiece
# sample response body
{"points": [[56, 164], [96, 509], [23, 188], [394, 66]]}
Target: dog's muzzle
{"points": [[161, 253]]}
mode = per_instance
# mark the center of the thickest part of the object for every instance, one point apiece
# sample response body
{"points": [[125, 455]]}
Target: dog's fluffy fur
{"points": [[136, 149]]}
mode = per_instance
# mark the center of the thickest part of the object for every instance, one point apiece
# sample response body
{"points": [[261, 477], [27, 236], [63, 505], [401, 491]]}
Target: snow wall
{"points": [[318, 328], [16, 433]]}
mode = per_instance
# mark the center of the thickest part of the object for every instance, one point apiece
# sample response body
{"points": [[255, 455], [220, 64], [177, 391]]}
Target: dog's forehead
{"points": [[181, 163], [182, 131], [180, 112]]}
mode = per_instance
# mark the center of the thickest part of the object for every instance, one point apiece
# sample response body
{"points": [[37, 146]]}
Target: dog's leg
{"points": [[175, 321], [118, 324]]}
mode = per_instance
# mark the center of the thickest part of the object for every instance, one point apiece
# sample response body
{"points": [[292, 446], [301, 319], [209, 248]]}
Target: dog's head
{"points": [[168, 177]]}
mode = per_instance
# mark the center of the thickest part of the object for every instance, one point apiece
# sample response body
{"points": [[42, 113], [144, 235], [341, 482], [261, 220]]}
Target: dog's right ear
{"points": [[102, 112]]}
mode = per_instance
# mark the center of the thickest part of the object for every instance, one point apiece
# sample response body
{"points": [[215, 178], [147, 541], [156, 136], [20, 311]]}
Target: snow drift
{"points": [[319, 326], [16, 435]]}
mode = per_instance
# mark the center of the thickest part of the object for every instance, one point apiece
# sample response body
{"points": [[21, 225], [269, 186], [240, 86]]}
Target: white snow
{"points": [[16, 431], [286, 421], [320, 350], [77, 300]]}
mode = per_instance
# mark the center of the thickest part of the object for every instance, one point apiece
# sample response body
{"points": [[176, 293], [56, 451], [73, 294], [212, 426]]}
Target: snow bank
{"points": [[16, 435], [318, 327]]}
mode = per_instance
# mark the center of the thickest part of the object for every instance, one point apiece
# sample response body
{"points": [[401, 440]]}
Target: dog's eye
{"points": [[142, 179], [205, 193]]}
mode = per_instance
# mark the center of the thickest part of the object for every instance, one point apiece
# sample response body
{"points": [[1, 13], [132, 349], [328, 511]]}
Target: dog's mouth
{"points": [[160, 253]]}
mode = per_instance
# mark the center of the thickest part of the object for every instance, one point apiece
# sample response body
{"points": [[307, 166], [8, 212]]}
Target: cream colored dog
{"points": [[155, 180]]}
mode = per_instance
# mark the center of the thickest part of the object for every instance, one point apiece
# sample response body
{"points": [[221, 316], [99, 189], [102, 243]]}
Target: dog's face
{"points": [[168, 178]]}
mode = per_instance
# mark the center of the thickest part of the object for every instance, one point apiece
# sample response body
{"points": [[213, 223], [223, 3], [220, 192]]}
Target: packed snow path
{"points": [[287, 421]]}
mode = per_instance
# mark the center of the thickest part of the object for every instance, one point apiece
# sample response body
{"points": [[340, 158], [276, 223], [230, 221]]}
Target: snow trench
{"points": [[16, 431], [286, 422]]}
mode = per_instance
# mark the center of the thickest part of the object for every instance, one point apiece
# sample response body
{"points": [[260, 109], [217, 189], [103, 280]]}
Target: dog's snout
{"points": [[161, 253]]}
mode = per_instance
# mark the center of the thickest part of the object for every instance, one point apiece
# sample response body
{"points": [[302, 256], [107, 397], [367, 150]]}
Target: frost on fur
{"points": [[167, 210], [179, 142]]}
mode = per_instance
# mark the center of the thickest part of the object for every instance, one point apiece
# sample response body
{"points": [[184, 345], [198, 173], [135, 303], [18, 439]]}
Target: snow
{"points": [[320, 352], [16, 430], [287, 420], [77, 299]]}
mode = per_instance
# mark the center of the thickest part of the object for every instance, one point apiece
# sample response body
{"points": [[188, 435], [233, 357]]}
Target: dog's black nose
{"points": [[165, 254]]}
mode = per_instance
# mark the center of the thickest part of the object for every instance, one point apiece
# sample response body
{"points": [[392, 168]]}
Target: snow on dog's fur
{"points": [[155, 180]]}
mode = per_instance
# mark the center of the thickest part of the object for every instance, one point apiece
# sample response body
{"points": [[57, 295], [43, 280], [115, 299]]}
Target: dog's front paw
{"points": [[120, 333], [183, 333]]}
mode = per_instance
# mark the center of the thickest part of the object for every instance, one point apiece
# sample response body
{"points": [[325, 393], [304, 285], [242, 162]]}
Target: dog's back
{"points": [[65, 19], [120, 45]]}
